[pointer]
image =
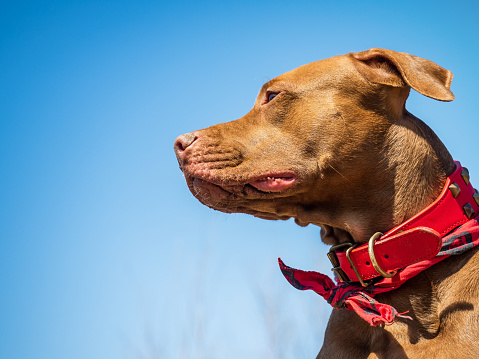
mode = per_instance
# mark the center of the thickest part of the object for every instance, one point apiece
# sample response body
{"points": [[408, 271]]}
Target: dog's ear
{"points": [[400, 69]]}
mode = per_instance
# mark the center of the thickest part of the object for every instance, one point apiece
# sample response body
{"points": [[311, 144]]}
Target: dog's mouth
{"points": [[267, 183], [275, 182], [235, 195]]}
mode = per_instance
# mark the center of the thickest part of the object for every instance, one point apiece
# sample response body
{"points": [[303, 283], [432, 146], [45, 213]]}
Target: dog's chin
{"points": [[236, 198], [209, 194]]}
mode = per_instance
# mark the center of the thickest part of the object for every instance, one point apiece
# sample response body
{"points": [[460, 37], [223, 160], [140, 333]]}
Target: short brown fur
{"points": [[363, 164]]}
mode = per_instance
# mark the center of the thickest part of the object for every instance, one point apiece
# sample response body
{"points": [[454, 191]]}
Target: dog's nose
{"points": [[182, 143]]}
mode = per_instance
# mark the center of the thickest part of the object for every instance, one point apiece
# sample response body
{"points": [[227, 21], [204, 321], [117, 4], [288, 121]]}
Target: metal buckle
{"points": [[374, 262], [363, 283], [333, 258]]}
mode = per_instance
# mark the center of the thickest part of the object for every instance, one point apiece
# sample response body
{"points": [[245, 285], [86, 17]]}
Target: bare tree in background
{"points": [[291, 330]]}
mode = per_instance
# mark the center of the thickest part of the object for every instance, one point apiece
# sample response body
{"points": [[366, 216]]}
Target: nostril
{"points": [[184, 141], [179, 146]]}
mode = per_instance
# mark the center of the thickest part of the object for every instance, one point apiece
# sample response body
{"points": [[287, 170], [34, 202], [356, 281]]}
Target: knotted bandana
{"points": [[360, 299]]}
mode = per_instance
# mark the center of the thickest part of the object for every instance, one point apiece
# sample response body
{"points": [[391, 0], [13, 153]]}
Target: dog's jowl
{"points": [[331, 144]]}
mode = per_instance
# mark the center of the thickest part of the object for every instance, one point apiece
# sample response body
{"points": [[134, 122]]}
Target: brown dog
{"points": [[330, 143]]}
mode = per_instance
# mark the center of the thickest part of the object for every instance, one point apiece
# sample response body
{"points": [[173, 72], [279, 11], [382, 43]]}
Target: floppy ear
{"points": [[400, 69]]}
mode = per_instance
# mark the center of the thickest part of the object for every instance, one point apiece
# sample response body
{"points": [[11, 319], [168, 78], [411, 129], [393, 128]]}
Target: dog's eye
{"points": [[271, 95]]}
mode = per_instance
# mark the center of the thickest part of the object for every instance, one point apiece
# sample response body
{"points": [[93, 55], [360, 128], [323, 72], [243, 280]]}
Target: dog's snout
{"points": [[182, 143]]}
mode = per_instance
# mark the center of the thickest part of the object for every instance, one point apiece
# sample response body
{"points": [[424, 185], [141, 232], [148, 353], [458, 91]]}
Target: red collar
{"points": [[418, 239]]}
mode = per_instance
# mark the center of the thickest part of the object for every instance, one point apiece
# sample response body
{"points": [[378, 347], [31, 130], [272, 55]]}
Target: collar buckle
{"points": [[372, 257], [333, 258]]}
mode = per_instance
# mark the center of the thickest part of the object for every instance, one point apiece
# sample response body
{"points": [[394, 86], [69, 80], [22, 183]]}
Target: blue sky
{"points": [[104, 252]]}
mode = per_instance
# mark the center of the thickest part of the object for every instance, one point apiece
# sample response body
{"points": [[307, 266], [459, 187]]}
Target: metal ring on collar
{"points": [[374, 262]]}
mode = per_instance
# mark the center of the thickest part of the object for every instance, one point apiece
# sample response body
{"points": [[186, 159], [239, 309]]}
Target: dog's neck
{"points": [[416, 164], [419, 162]]}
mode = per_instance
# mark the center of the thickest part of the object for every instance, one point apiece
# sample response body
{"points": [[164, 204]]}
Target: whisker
{"points": [[339, 173]]}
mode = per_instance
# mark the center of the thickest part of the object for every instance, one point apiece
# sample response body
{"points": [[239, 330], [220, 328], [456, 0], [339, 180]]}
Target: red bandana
{"points": [[352, 296]]}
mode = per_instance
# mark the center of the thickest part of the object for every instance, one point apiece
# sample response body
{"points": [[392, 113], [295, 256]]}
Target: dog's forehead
{"points": [[323, 68], [327, 70]]}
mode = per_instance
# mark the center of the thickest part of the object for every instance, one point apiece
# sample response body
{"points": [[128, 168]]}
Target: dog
{"points": [[331, 144]]}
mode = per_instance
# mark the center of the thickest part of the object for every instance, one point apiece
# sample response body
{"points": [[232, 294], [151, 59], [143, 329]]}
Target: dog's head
{"points": [[318, 144]]}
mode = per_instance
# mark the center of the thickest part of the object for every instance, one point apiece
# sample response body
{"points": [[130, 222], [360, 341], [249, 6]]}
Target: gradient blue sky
{"points": [[104, 252]]}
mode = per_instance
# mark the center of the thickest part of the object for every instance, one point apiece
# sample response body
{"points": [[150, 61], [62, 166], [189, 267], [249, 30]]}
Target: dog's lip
{"points": [[261, 184], [274, 182]]}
